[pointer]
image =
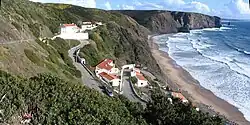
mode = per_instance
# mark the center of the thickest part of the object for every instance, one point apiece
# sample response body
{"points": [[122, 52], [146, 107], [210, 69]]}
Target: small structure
{"points": [[107, 66], [180, 96], [170, 100], [112, 79], [141, 81], [87, 26], [69, 28], [26, 118], [135, 71], [98, 23], [197, 109]]}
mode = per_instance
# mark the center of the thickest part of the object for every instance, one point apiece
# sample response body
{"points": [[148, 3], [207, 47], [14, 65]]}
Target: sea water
{"points": [[219, 58]]}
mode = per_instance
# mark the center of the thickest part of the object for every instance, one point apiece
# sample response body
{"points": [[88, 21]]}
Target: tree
{"points": [[134, 80]]}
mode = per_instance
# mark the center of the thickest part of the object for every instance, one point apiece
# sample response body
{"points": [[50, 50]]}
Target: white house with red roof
{"points": [[107, 72], [69, 28], [180, 96], [107, 66], [141, 80], [108, 78]]}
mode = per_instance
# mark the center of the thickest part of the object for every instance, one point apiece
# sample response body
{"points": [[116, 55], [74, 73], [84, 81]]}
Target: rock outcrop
{"points": [[172, 21]]}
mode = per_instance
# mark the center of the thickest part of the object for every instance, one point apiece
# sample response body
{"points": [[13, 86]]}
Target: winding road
{"points": [[90, 82], [86, 78]]}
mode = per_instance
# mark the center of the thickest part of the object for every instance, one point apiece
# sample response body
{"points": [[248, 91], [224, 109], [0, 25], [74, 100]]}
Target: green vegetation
{"points": [[33, 57], [58, 50], [161, 112], [52, 100], [89, 52], [133, 79]]}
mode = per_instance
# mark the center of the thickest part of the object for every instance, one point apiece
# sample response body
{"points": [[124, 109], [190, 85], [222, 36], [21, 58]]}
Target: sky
{"points": [[237, 9]]}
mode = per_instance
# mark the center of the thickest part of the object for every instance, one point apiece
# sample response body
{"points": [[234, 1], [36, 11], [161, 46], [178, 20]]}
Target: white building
{"points": [[75, 36], [69, 28], [106, 66], [180, 96], [134, 71], [141, 80], [98, 23], [111, 79], [87, 26]]}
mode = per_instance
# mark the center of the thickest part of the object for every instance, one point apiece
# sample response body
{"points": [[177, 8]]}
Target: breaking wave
{"points": [[215, 62]]}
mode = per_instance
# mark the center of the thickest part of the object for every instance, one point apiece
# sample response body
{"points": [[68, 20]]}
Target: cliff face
{"points": [[172, 22]]}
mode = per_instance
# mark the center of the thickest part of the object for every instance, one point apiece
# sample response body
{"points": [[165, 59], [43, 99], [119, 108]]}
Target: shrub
{"points": [[133, 80]]}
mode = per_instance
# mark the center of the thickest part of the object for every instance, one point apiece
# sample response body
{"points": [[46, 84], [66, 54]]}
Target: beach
{"points": [[179, 77]]}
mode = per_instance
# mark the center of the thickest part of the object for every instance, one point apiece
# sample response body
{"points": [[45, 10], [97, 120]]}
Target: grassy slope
{"points": [[23, 20], [128, 33]]}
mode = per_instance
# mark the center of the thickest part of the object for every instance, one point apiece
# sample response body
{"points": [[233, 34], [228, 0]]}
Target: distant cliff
{"points": [[172, 21]]}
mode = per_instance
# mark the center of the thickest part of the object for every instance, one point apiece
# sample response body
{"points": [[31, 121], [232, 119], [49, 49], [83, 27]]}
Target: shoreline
{"points": [[179, 77]]}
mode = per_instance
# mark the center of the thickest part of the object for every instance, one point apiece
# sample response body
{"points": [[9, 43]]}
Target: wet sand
{"points": [[179, 77]]}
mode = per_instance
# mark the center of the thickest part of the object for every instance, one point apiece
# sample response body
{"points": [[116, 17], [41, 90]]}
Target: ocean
{"points": [[219, 58]]}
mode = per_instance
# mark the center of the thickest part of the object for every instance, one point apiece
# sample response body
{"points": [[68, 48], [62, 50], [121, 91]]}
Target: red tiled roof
{"points": [[178, 95], [105, 64], [69, 25], [140, 76], [107, 76], [27, 116]]}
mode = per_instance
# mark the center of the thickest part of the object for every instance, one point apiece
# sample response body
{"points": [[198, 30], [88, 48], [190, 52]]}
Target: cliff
{"points": [[172, 21]]}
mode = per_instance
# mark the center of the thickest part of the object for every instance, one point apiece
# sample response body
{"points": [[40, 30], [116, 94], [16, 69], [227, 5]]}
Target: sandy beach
{"points": [[181, 78]]}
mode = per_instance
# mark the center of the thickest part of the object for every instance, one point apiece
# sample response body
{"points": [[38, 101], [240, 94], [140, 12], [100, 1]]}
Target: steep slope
{"points": [[172, 21], [33, 20], [124, 45]]}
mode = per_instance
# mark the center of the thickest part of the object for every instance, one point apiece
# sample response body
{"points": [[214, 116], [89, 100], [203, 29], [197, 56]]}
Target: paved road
{"points": [[87, 79], [128, 92]]}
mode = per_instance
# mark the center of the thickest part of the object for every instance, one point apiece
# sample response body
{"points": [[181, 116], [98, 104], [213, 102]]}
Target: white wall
{"points": [[142, 83], [114, 71], [75, 36], [133, 73], [69, 29], [98, 71], [87, 27], [115, 82]]}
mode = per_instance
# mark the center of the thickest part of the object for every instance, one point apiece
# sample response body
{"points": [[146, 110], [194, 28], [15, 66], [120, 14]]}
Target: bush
{"points": [[134, 80], [52, 100]]}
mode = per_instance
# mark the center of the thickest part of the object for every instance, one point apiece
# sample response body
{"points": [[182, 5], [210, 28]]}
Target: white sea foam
{"points": [[226, 74], [226, 28], [246, 52], [211, 29]]}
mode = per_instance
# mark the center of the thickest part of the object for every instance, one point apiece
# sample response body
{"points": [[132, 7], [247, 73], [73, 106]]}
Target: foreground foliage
{"points": [[161, 112], [54, 101]]}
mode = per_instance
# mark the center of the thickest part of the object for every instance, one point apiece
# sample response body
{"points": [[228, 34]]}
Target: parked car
{"points": [[109, 92]]}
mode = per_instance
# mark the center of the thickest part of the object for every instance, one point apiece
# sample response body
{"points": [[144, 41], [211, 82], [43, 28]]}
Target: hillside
{"points": [[34, 17], [38, 73]]}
